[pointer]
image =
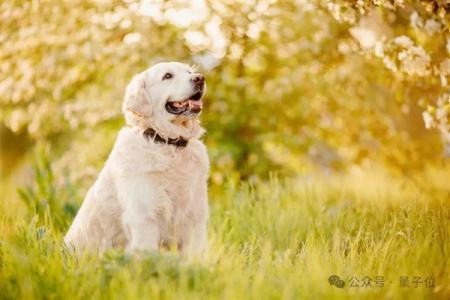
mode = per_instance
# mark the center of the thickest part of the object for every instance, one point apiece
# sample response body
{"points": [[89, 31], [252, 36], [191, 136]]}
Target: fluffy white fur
{"points": [[149, 195]]}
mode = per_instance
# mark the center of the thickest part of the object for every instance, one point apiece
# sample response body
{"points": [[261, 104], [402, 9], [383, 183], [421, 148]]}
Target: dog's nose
{"points": [[198, 79]]}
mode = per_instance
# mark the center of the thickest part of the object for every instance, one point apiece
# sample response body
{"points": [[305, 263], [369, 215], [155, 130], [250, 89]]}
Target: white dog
{"points": [[152, 191]]}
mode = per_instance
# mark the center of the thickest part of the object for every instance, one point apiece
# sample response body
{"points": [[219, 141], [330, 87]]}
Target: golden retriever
{"points": [[152, 191]]}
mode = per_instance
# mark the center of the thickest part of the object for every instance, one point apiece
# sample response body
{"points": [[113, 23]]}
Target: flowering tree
{"points": [[413, 41], [291, 84]]}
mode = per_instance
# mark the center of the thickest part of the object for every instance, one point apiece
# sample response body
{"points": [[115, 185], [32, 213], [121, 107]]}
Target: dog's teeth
{"points": [[180, 104]]}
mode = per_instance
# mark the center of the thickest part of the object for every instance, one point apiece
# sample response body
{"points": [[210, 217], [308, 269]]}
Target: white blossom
{"points": [[17, 119], [415, 20], [132, 38], [428, 120], [432, 26], [379, 49], [390, 64], [414, 61], [366, 37], [403, 41]]}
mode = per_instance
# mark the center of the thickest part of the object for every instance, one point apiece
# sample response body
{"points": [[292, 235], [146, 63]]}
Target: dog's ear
{"points": [[136, 105]]}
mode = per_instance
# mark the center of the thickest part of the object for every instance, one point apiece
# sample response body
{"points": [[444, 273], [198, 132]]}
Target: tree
{"points": [[291, 84]]}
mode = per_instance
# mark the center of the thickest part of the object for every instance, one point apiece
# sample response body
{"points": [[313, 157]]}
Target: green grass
{"points": [[274, 240]]}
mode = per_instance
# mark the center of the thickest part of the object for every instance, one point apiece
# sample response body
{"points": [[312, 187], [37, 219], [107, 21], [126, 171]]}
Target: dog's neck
{"points": [[152, 135], [188, 129], [175, 130]]}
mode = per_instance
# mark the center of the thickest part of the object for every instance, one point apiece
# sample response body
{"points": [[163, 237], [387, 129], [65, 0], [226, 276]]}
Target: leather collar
{"points": [[151, 134]]}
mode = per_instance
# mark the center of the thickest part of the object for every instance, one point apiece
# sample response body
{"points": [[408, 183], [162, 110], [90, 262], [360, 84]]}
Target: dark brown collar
{"points": [[151, 134]]}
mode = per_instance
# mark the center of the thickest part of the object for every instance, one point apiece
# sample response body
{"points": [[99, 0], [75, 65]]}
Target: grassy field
{"points": [[274, 240]]}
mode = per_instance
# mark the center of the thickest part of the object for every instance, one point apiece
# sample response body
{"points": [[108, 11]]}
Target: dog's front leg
{"points": [[197, 244], [196, 236], [140, 201]]}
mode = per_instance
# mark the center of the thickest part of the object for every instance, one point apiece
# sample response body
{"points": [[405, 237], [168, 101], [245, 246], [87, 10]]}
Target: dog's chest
{"points": [[184, 180], [185, 173]]}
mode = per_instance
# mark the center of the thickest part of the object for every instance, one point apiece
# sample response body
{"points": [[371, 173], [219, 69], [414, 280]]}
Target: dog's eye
{"points": [[167, 76]]}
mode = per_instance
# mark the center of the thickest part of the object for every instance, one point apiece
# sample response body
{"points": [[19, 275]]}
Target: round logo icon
{"points": [[339, 283], [332, 279], [336, 281]]}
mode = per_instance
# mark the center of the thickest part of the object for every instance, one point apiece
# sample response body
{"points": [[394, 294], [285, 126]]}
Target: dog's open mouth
{"points": [[191, 105]]}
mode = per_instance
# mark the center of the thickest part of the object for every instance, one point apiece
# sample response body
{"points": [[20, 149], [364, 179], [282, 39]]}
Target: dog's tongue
{"points": [[195, 104]]}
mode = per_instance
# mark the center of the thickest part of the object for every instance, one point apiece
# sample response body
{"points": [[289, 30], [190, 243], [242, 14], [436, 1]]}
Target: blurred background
{"points": [[294, 87]]}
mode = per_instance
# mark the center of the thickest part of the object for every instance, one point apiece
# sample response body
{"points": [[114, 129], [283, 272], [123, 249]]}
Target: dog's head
{"points": [[168, 98]]}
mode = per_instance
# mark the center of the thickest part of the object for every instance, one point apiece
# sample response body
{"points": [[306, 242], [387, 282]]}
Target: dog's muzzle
{"points": [[188, 107]]}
